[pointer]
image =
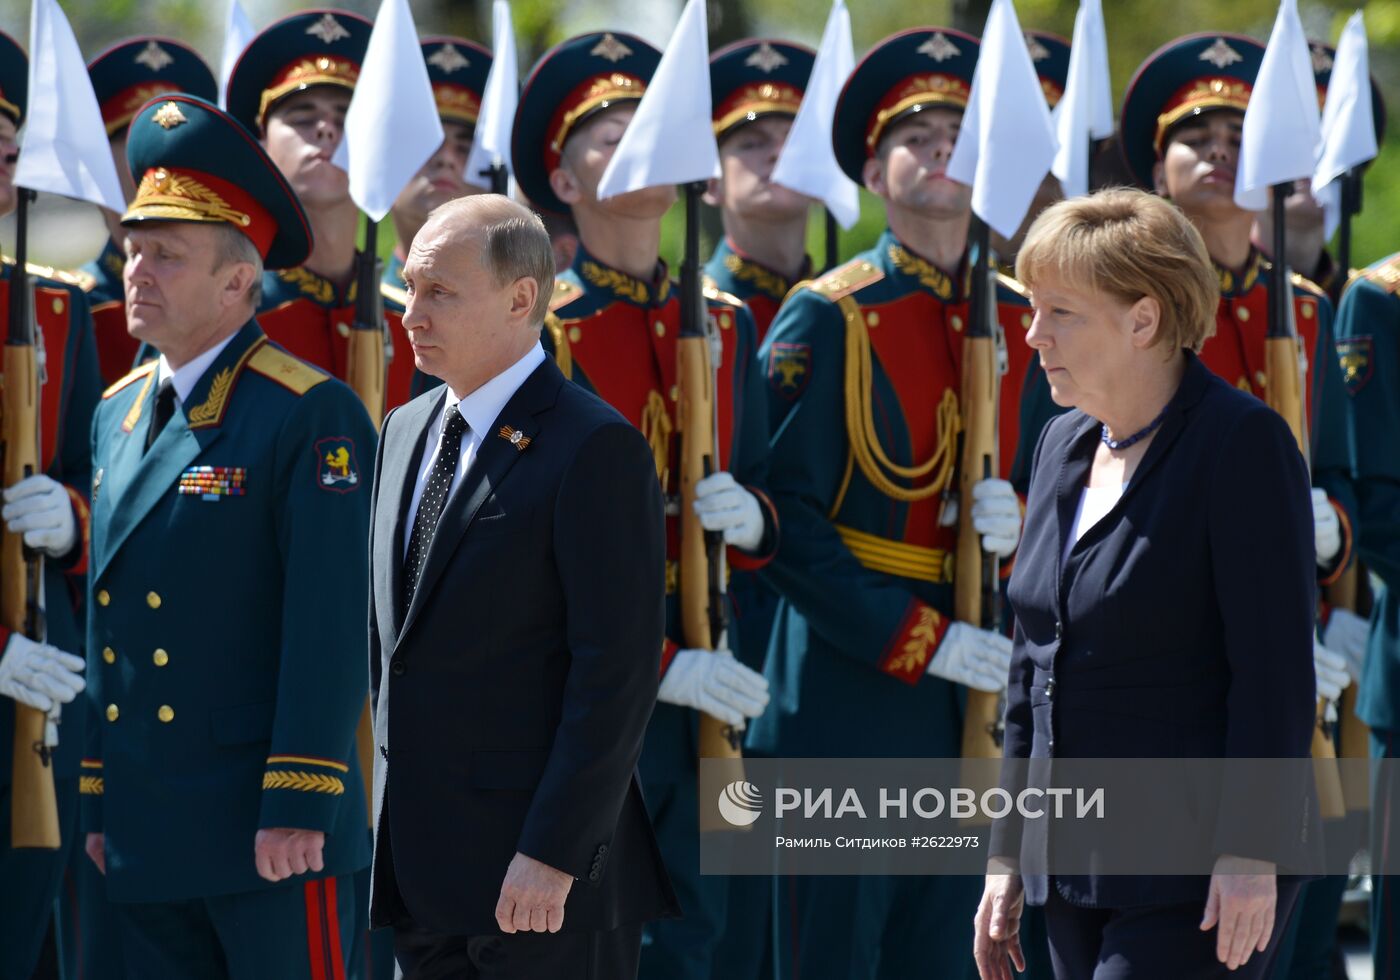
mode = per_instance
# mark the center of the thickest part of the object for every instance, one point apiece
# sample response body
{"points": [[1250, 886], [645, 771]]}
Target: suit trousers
{"points": [[29, 883], [1150, 942], [610, 955]]}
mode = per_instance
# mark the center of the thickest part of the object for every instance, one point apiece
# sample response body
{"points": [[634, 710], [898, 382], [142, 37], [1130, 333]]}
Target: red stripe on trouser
{"points": [[315, 947], [331, 922]]}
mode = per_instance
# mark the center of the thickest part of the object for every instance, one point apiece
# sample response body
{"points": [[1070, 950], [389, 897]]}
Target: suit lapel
{"points": [[398, 477], [494, 458]]}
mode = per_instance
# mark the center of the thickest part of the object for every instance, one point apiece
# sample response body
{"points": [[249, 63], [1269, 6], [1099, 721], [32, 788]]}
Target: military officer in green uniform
{"points": [[864, 377], [125, 77], [1368, 344], [613, 327], [228, 815], [50, 511]]}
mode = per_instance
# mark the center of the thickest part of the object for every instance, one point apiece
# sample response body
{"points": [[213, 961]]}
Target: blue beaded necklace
{"points": [[1136, 437]]}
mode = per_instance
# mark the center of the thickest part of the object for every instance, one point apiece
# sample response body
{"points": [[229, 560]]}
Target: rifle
{"points": [[34, 805], [1283, 365], [976, 596], [498, 176], [702, 572]]}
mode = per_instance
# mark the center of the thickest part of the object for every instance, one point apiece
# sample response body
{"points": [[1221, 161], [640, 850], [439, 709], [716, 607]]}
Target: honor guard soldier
{"points": [[228, 812], [292, 86], [613, 327], [864, 376], [755, 89], [50, 511], [124, 78], [457, 69]]}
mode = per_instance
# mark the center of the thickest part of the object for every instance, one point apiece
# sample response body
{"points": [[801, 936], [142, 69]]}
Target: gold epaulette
{"points": [[1014, 284], [69, 277], [290, 372], [563, 353], [134, 376], [846, 279], [565, 292], [1386, 275], [396, 293], [714, 294], [1304, 283], [795, 287]]}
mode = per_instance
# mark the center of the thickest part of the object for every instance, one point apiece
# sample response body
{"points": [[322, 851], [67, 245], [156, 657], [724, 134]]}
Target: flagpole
{"points": [[1351, 205], [833, 248]]}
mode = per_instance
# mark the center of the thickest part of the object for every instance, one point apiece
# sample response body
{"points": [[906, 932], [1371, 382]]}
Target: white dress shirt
{"points": [[480, 410], [188, 374]]}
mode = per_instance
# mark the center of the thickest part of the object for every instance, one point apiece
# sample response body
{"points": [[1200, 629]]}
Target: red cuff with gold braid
{"points": [[83, 514], [743, 561], [920, 631], [1343, 558], [669, 649]]}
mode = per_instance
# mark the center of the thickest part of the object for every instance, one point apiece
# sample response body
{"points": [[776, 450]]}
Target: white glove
{"points": [[714, 682], [973, 657], [996, 514], [39, 508], [1347, 633], [39, 675], [1331, 670], [725, 506], [1327, 529]]}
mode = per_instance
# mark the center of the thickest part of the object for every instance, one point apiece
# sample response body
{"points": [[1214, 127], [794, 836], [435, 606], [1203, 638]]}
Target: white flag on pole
{"points": [[238, 34], [1348, 121], [491, 145], [1085, 111]]}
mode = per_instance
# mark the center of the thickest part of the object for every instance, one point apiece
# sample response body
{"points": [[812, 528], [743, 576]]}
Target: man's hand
{"points": [[715, 683], [723, 505], [979, 659], [1330, 671], [532, 896], [96, 848], [997, 925], [39, 675], [281, 852], [1327, 529], [996, 515], [39, 508], [1347, 634], [1242, 901]]}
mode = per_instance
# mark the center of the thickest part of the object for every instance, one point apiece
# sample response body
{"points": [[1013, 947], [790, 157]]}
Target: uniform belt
{"points": [[897, 557], [673, 576]]}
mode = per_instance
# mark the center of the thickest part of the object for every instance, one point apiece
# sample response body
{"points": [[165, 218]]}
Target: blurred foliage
{"points": [[1135, 28]]}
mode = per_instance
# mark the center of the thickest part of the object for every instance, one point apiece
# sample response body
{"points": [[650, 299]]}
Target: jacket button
{"points": [[384, 752], [160, 658], [1050, 688], [112, 712], [602, 849], [103, 597], [153, 600], [1059, 629], [593, 875], [396, 668], [166, 713], [109, 655]]}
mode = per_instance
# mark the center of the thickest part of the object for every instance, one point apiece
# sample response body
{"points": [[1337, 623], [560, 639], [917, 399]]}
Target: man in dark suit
{"points": [[516, 626]]}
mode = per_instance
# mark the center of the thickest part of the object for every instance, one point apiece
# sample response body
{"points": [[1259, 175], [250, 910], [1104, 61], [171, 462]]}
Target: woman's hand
{"points": [[1243, 897], [997, 925]]}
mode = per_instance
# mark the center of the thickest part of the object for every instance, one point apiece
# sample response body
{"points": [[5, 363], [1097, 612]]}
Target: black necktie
{"points": [[165, 408], [433, 500]]}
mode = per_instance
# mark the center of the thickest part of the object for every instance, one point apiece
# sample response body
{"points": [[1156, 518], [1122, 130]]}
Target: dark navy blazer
{"points": [[1179, 626]]}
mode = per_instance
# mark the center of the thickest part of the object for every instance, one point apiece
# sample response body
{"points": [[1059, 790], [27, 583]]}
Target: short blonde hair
{"points": [[1128, 244]]}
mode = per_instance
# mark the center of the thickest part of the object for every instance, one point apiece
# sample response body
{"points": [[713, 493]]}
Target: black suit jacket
{"points": [[1179, 626], [512, 696]]}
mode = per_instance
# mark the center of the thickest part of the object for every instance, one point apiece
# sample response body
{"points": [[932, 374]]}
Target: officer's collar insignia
{"points": [[335, 465], [1039, 52], [765, 59], [328, 29], [1321, 60], [939, 48], [610, 48], [624, 286], [1220, 54], [169, 116], [928, 274], [515, 437], [449, 59], [154, 57], [1231, 284]]}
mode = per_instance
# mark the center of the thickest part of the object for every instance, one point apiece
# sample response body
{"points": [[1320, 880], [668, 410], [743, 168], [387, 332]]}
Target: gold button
{"points": [[112, 712], [660, 329], [103, 597], [343, 329], [58, 306], [1307, 309], [575, 334], [109, 655], [1026, 320], [873, 319], [160, 658], [725, 322], [1261, 379], [1243, 313], [166, 713], [152, 600], [957, 322], [675, 393]]}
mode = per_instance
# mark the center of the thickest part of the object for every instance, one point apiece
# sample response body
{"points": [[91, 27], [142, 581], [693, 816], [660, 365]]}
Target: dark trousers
{"points": [[1149, 942], [425, 955], [299, 930], [1385, 842], [29, 883]]}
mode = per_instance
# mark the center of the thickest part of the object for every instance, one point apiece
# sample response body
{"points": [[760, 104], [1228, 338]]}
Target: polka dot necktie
{"points": [[433, 500]]}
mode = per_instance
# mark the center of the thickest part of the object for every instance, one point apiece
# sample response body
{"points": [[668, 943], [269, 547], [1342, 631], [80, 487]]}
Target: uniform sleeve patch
{"points": [[1357, 362], [336, 468], [789, 368]]}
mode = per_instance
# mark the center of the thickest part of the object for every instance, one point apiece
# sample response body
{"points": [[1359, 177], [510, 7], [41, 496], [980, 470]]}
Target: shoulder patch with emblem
{"points": [[1358, 363], [131, 378], [565, 292], [290, 372], [846, 279], [336, 468], [789, 368]]}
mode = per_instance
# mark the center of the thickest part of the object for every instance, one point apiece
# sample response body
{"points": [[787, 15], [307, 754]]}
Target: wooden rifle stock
{"points": [[33, 804]]}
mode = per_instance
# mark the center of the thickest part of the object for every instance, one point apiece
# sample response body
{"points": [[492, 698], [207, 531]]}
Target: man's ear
{"points": [[238, 279], [714, 190], [1159, 179], [565, 185], [525, 292], [1146, 316], [873, 175]]}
